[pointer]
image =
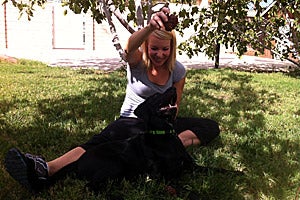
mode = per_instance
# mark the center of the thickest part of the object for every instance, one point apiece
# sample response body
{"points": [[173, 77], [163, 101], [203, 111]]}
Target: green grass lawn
{"points": [[47, 111]]}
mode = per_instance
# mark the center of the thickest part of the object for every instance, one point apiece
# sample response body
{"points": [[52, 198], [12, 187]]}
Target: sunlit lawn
{"points": [[47, 111]]}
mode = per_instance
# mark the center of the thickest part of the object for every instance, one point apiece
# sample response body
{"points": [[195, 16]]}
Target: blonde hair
{"points": [[164, 35]]}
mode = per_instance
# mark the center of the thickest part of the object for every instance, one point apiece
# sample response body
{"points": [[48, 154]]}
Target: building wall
{"points": [[23, 35], [50, 33], [2, 27]]}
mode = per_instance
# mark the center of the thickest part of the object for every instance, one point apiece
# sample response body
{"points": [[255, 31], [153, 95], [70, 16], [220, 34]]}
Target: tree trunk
{"points": [[139, 14], [217, 56]]}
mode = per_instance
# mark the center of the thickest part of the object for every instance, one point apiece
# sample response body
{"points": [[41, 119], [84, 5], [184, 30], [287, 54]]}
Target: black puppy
{"points": [[157, 152]]}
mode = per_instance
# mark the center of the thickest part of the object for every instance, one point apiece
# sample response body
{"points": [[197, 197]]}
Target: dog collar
{"points": [[161, 132]]}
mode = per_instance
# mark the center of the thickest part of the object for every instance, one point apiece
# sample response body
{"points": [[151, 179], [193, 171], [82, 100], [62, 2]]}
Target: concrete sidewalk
{"points": [[109, 60], [112, 61]]}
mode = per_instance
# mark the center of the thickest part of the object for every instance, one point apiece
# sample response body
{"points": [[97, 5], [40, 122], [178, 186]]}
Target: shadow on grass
{"points": [[295, 73], [65, 120], [58, 123], [246, 143], [251, 146]]}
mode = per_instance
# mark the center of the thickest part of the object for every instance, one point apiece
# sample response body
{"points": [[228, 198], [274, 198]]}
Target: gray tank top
{"points": [[139, 87]]}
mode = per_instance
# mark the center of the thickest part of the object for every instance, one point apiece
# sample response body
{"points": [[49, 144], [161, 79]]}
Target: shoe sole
{"points": [[17, 167]]}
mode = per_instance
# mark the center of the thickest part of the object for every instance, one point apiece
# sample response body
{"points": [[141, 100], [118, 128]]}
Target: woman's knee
{"points": [[207, 132]]}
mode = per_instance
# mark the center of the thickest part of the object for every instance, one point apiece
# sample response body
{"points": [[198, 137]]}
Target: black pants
{"points": [[126, 127], [119, 150]]}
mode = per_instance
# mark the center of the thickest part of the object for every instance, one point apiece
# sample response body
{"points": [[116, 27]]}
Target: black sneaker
{"points": [[29, 170], [39, 165]]}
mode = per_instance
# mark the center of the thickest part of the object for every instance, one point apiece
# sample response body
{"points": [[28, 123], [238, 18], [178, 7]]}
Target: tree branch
{"points": [[139, 14], [264, 46], [119, 16], [115, 40]]}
